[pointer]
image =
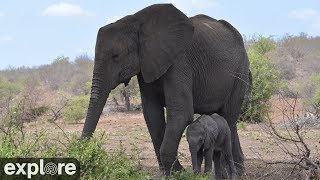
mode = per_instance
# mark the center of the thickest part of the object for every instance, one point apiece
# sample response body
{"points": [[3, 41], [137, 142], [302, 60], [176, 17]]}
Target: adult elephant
{"points": [[188, 65]]}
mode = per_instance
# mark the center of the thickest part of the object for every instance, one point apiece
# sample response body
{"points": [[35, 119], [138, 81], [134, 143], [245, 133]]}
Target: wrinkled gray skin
{"points": [[188, 65], [208, 137]]}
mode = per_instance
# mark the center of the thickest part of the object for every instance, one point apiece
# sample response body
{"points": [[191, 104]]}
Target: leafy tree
{"points": [[7, 92], [126, 93], [87, 88], [76, 109], [310, 90], [8, 89], [265, 77]]}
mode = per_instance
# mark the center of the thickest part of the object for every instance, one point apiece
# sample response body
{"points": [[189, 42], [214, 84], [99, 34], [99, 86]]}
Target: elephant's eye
{"points": [[114, 56]]}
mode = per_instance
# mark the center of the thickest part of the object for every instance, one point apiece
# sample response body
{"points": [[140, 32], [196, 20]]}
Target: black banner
{"points": [[39, 168]]}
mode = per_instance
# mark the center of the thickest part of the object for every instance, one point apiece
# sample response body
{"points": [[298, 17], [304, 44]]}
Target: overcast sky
{"points": [[36, 32]]}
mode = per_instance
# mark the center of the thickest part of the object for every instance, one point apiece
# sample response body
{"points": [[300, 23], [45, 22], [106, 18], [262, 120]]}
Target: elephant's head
{"points": [[200, 136], [147, 42]]}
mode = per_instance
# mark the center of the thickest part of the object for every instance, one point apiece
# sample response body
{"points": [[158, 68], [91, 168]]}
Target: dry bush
{"points": [[300, 157]]}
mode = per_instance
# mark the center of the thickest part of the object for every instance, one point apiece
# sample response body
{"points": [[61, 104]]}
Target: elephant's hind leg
{"points": [[217, 166], [231, 112]]}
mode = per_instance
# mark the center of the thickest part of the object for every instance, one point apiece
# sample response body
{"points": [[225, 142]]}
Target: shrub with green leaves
{"points": [[76, 109], [315, 99], [95, 161], [310, 90], [8, 89], [265, 77]]}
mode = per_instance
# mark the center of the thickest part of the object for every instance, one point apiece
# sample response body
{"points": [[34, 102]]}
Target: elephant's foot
{"points": [[177, 166], [173, 167], [239, 164], [226, 174], [219, 176], [162, 169], [240, 169]]}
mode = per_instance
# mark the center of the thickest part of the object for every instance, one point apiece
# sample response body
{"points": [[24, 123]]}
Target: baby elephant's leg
{"points": [[199, 159], [208, 155], [229, 160], [217, 166]]}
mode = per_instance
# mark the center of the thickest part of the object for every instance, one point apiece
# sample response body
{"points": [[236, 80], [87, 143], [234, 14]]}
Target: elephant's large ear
{"points": [[164, 32]]}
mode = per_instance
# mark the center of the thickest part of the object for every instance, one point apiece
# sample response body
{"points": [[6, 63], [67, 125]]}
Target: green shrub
{"points": [[8, 89], [315, 97], [95, 161], [39, 111], [13, 118], [87, 87], [265, 76], [19, 144], [310, 90], [242, 125], [76, 109]]}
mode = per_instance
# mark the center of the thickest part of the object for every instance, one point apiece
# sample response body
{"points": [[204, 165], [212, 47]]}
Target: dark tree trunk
{"points": [[115, 101], [127, 99]]}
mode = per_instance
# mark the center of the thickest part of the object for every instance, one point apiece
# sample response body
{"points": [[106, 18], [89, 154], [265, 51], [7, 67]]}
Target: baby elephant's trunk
{"points": [[195, 165]]}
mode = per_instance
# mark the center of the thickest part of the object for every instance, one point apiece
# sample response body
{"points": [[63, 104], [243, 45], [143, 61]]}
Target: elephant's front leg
{"points": [[208, 155], [153, 112], [177, 121], [200, 158], [179, 104]]}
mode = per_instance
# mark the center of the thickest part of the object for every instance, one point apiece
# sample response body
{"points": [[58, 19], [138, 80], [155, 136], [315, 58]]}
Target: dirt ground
{"points": [[258, 145]]}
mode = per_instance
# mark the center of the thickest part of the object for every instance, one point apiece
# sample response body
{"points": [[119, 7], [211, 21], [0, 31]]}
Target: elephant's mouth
{"points": [[123, 76], [201, 148], [126, 82]]}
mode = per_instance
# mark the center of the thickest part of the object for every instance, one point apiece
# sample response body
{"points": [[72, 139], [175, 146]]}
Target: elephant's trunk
{"points": [[99, 93], [194, 159]]}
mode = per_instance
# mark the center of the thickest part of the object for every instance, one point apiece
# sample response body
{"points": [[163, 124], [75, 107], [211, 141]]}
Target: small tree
{"points": [[126, 93], [76, 109], [311, 92], [7, 92], [8, 89], [265, 77]]}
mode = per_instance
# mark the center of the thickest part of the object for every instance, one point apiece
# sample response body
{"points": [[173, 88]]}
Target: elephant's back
{"points": [[217, 29], [215, 44], [215, 54]]}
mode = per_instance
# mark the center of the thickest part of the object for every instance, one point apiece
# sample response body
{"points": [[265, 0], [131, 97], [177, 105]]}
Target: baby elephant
{"points": [[208, 136]]}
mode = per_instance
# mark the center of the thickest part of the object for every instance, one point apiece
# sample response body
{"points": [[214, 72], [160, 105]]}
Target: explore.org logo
{"points": [[39, 168]]}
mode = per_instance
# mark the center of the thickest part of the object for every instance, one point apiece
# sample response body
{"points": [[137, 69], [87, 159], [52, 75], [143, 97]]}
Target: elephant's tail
{"points": [[248, 97], [248, 101]]}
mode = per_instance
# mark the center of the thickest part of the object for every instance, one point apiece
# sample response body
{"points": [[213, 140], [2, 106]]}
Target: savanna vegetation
{"points": [[59, 93]]}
